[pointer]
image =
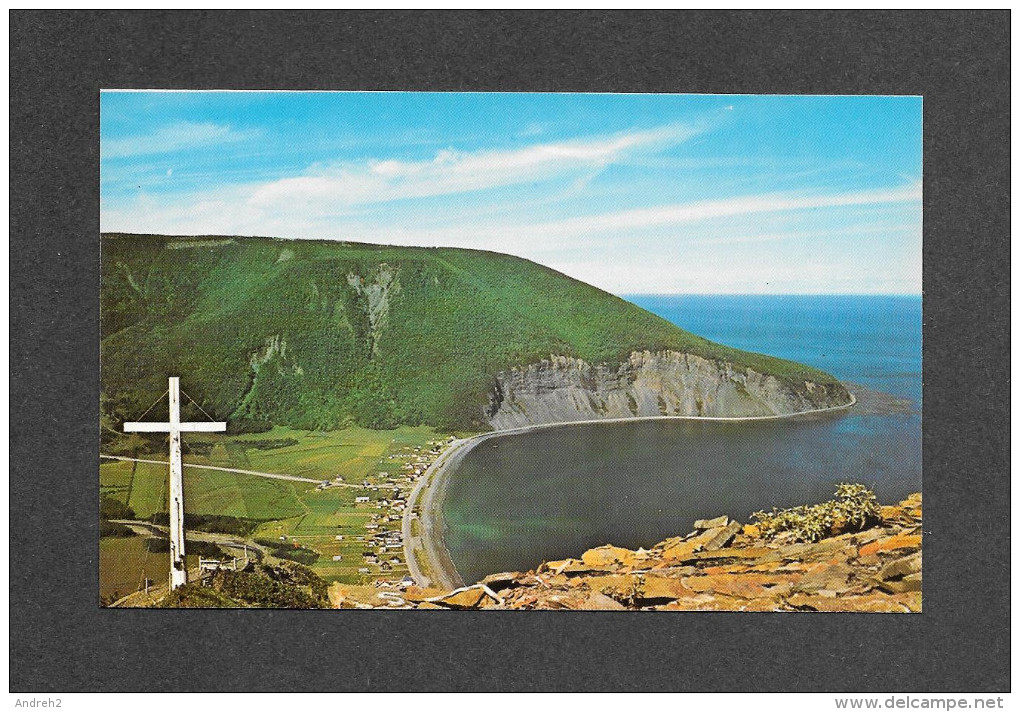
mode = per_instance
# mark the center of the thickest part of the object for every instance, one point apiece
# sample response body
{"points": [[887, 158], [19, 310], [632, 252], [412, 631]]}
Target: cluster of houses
{"points": [[388, 547], [383, 530], [420, 458]]}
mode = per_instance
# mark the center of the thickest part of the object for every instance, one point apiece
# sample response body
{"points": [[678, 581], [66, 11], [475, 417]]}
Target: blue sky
{"points": [[665, 194]]}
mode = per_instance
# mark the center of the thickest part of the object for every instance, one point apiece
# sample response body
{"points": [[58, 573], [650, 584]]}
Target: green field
{"points": [[307, 516], [123, 564]]}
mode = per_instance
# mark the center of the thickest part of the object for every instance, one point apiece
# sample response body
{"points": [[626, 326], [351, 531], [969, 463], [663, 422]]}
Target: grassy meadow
{"points": [[124, 563]]}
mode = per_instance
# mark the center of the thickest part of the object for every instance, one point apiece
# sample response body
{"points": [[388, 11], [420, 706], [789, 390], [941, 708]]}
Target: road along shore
{"points": [[428, 558]]}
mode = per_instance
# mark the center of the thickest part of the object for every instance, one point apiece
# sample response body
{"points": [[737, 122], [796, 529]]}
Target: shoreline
{"points": [[431, 489]]}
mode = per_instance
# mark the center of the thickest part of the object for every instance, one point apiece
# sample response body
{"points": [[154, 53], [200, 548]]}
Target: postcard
{"points": [[510, 351]]}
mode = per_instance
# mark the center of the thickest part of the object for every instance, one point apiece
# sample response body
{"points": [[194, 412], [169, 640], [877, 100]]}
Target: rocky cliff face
{"points": [[564, 389]]}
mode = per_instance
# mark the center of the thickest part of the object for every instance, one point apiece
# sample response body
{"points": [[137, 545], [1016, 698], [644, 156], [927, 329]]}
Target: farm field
{"points": [[291, 513], [123, 564]]}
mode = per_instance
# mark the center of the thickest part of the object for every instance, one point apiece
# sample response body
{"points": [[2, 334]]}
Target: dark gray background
{"points": [[61, 641]]}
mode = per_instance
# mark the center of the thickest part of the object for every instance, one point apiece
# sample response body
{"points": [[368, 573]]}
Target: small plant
{"points": [[853, 509], [856, 505]]}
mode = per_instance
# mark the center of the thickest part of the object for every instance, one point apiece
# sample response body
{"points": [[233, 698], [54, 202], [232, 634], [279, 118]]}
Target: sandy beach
{"points": [[427, 556]]}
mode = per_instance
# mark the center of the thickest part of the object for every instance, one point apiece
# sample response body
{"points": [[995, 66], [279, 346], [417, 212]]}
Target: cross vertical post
{"points": [[178, 566]]}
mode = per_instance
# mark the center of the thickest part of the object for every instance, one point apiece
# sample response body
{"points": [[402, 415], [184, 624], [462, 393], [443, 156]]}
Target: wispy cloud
{"points": [[175, 137], [677, 214], [234, 211], [599, 229], [451, 171], [751, 237]]}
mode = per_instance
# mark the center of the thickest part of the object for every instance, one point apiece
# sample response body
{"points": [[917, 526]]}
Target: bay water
{"points": [[517, 500]]}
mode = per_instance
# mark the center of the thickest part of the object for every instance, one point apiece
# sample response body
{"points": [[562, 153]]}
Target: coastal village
{"points": [[383, 558], [370, 550], [331, 484]]}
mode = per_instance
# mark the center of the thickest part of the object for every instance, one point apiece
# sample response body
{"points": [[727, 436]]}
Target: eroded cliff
{"points": [[566, 389]]}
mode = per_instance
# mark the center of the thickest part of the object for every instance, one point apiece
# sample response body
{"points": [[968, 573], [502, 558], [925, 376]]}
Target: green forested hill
{"points": [[314, 334]]}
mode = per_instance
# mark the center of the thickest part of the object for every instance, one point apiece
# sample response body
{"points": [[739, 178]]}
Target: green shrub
{"points": [[287, 586], [220, 523], [854, 508], [111, 508], [204, 549], [256, 586], [195, 595], [290, 551]]}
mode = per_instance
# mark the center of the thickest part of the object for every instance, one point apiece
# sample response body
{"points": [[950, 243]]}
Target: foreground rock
{"points": [[722, 566]]}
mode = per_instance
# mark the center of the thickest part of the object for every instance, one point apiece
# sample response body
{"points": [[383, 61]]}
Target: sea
{"points": [[518, 500]]}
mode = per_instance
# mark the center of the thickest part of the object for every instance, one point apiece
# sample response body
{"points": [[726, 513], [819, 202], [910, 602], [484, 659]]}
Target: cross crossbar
{"points": [[199, 427]]}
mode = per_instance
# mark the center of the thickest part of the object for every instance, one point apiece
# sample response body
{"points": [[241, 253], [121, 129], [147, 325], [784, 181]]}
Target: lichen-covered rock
{"points": [[716, 523], [608, 557], [897, 542], [477, 596], [601, 602], [723, 536], [500, 581], [902, 567]]}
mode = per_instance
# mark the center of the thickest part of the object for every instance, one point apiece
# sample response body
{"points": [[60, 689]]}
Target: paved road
{"points": [[269, 475], [229, 541], [443, 574]]}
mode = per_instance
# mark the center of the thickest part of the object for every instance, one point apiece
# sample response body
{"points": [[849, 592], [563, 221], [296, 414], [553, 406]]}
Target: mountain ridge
{"points": [[316, 333]]}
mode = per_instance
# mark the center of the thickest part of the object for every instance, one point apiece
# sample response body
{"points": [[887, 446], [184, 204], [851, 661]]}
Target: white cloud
{"points": [[704, 245], [317, 213], [595, 230], [677, 214], [175, 137], [673, 273], [451, 171]]}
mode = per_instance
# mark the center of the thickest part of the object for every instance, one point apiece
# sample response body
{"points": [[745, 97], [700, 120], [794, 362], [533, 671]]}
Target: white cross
{"points": [[178, 568]]}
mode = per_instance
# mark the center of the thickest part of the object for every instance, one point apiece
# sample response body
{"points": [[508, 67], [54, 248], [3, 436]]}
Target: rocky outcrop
{"points": [[665, 383], [720, 566], [376, 290]]}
